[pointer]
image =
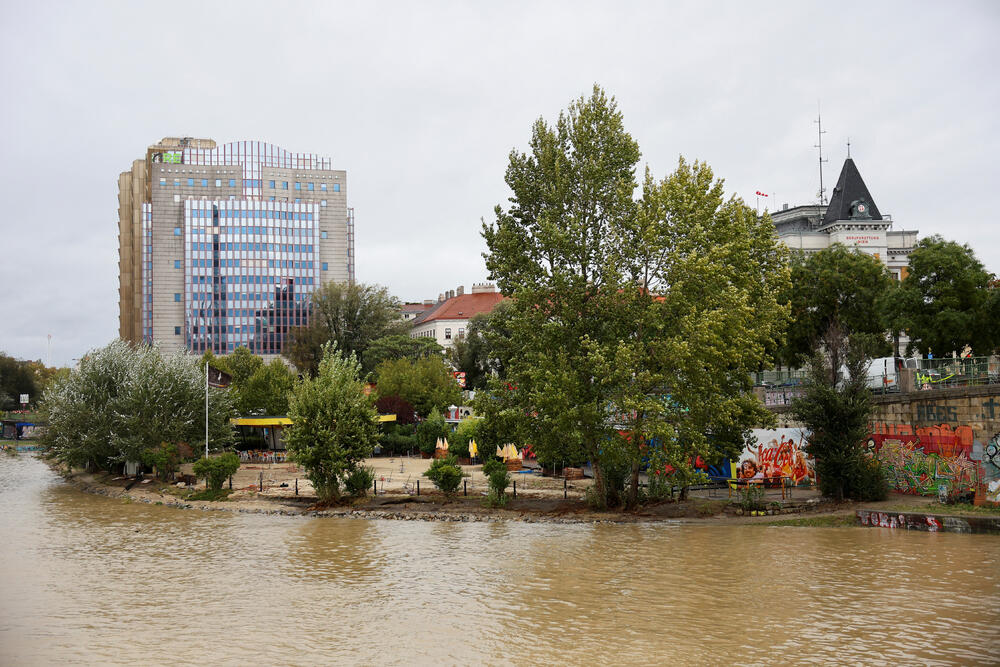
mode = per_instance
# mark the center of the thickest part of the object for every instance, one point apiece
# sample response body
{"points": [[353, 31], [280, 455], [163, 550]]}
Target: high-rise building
{"points": [[221, 246]]}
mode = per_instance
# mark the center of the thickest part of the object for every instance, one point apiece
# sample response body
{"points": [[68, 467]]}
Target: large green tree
{"points": [[124, 400], [398, 346], [636, 323], [334, 423], [16, 377], [350, 315], [425, 383], [836, 286], [946, 301], [484, 350]]}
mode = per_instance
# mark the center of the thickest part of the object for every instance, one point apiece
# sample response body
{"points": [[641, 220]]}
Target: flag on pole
{"points": [[217, 378], [761, 194]]}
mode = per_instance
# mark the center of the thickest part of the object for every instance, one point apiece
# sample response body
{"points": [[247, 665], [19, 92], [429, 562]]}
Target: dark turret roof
{"points": [[850, 188]]}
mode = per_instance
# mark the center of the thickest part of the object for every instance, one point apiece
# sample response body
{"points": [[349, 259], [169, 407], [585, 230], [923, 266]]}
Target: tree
{"points": [[430, 431], [334, 423], [837, 411], [267, 390], [946, 302], [124, 400], [16, 378], [350, 315], [636, 323], [836, 285], [426, 383], [216, 469], [399, 346]]}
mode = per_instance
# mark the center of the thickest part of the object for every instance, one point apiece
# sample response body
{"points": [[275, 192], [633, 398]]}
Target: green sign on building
{"points": [[173, 157]]}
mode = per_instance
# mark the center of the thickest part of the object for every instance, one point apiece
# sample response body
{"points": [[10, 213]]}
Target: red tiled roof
{"points": [[415, 307], [462, 307]]}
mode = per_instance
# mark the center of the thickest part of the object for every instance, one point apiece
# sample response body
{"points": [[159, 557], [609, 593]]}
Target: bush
{"points": [[359, 481], [752, 497], [458, 440], [430, 430], [164, 458], [492, 466], [397, 439], [869, 481], [216, 470], [499, 481], [445, 474]]}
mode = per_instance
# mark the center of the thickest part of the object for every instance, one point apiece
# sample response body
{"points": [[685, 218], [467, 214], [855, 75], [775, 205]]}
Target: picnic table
{"points": [[737, 483]]}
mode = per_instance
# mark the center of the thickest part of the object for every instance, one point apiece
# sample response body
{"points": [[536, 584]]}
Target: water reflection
{"points": [[95, 580]]}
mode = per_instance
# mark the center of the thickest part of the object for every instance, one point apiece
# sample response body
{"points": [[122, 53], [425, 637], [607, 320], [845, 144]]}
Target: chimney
{"points": [[784, 207], [428, 302], [440, 297], [483, 288], [460, 290]]}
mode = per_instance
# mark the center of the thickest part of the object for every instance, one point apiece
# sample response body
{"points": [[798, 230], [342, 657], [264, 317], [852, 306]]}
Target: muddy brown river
{"points": [[90, 580]]}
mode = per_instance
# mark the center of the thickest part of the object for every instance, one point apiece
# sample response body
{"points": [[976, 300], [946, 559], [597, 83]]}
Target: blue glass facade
{"points": [[249, 268]]}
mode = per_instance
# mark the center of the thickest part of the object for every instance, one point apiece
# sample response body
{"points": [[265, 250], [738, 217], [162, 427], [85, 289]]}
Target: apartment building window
{"points": [[177, 296], [324, 266], [177, 231], [177, 182], [204, 182], [461, 333], [177, 263], [298, 186], [311, 186], [163, 181], [336, 187], [322, 235], [191, 182], [218, 182], [177, 331], [232, 182], [322, 186], [284, 185], [322, 202], [270, 184], [447, 333]]}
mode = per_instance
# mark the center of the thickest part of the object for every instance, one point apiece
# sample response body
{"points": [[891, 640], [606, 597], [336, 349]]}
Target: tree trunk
{"points": [[600, 492]]}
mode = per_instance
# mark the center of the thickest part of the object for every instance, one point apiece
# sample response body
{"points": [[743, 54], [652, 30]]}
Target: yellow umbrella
{"points": [[499, 451], [473, 449]]}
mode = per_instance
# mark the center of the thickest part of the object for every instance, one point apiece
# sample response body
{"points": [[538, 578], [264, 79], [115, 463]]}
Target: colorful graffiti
{"points": [[777, 453], [920, 461], [991, 477]]}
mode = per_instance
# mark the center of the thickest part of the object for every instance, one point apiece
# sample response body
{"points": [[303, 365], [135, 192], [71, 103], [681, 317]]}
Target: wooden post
{"points": [[296, 486], [564, 488], [465, 487], [374, 487], [260, 481], [230, 482], [418, 487], [515, 489]]}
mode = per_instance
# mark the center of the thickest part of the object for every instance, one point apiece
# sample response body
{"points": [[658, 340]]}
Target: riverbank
{"points": [[535, 508]]}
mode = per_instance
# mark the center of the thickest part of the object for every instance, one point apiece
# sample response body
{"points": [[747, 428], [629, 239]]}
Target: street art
{"points": [[991, 463], [920, 461], [777, 453]]}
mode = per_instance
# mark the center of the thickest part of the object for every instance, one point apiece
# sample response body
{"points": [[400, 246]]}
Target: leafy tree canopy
{"points": [[350, 315], [836, 285], [636, 322], [334, 423], [946, 301], [124, 399], [425, 383], [485, 349], [399, 346]]}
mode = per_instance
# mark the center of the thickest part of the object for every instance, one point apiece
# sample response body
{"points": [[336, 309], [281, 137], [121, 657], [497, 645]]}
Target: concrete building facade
{"points": [[221, 246]]}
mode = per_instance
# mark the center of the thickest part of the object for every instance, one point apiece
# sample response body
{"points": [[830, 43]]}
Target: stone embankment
{"points": [[934, 523]]}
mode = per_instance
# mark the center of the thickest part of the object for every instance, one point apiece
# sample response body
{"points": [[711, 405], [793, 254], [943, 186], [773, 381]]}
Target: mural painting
{"points": [[991, 463], [920, 461], [777, 452]]}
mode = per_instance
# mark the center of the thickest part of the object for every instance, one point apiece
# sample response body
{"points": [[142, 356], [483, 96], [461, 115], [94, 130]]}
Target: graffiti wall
{"points": [[991, 465], [921, 460], [777, 452]]}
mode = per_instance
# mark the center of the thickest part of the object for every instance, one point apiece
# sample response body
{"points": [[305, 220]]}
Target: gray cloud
{"points": [[421, 103]]}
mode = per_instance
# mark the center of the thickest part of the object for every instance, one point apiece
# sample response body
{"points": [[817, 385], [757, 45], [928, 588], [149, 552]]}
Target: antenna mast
{"points": [[820, 132]]}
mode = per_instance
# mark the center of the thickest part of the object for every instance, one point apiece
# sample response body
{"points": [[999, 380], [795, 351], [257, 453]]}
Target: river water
{"points": [[92, 580]]}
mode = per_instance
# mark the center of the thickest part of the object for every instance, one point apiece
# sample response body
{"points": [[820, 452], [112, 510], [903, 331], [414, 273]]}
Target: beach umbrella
{"points": [[499, 452], [473, 449]]}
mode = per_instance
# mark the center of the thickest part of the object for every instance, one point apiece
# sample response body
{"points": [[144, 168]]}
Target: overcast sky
{"points": [[422, 102]]}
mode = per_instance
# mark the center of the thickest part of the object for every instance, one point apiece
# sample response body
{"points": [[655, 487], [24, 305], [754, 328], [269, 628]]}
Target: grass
{"points": [[827, 521], [210, 494]]}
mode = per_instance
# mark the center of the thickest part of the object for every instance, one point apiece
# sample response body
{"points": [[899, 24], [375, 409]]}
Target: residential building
{"points": [[448, 319], [851, 219], [411, 311], [221, 246]]}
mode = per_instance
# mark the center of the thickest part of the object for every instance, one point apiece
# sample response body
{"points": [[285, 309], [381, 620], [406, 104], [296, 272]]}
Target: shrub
{"points": [[359, 481], [492, 466], [164, 457], [445, 474], [216, 470], [458, 440], [869, 482], [430, 430], [752, 497], [499, 481]]}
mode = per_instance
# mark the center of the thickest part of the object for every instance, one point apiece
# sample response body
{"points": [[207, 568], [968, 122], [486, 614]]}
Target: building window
{"points": [[191, 181], [298, 186], [284, 185], [177, 182], [177, 231], [324, 266], [177, 199], [322, 235], [232, 182], [461, 333], [177, 331], [163, 181], [177, 263], [447, 333], [322, 186], [297, 200], [312, 187], [336, 187], [177, 296], [270, 184], [204, 182], [322, 202]]}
